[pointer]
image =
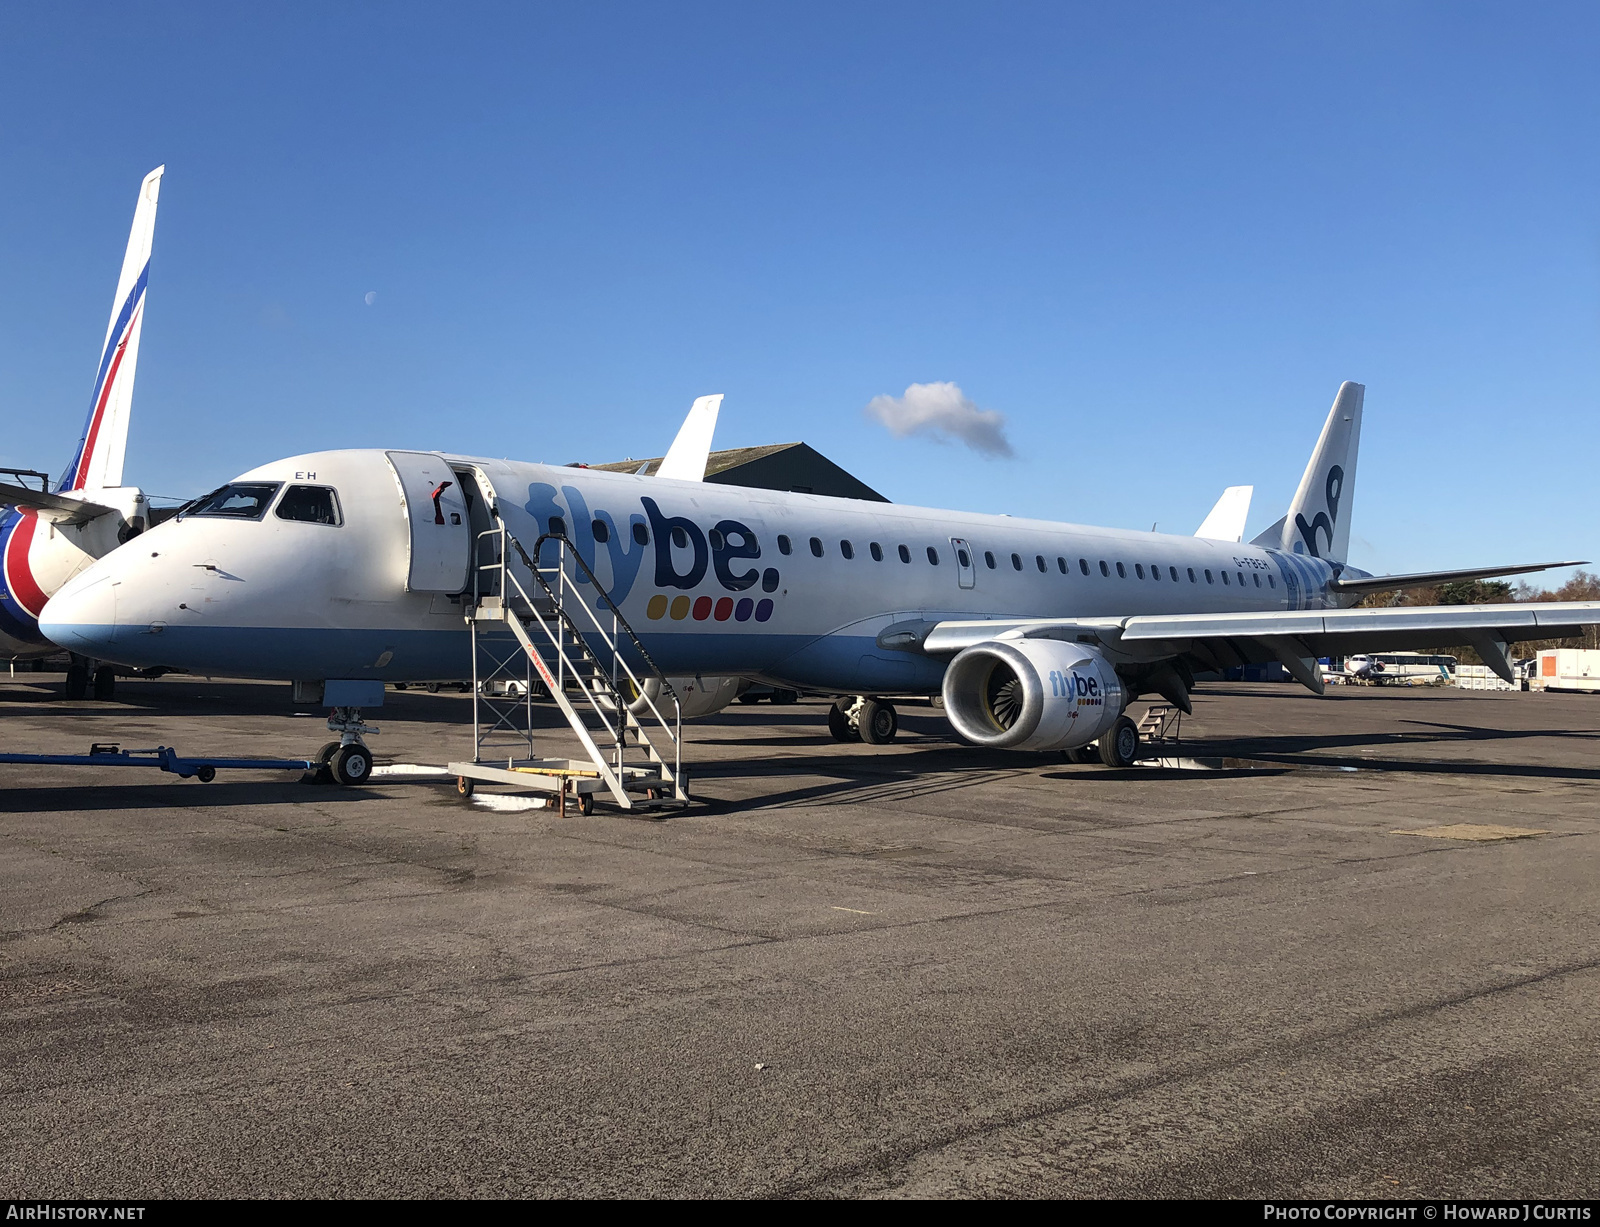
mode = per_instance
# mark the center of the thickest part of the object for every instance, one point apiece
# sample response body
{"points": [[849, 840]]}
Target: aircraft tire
{"points": [[352, 764], [839, 723], [877, 722], [1120, 747], [105, 683], [1081, 754], [77, 684], [782, 698]]}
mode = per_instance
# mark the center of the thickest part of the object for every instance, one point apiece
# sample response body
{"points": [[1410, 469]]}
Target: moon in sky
{"points": [[372, 297]]}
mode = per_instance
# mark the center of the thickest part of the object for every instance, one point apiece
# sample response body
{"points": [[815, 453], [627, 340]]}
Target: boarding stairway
{"points": [[630, 726]]}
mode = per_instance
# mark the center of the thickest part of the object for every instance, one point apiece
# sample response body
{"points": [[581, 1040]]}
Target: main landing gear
{"points": [[82, 674], [858, 718]]}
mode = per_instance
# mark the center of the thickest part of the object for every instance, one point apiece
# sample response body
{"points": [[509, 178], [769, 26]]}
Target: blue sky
{"points": [[1156, 238]]}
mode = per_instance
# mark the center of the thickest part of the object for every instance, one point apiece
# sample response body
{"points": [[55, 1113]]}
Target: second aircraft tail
{"points": [[97, 464]]}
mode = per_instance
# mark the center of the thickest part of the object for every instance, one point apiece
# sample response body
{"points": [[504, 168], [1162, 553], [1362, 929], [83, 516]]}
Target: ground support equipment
{"points": [[574, 651], [163, 757]]}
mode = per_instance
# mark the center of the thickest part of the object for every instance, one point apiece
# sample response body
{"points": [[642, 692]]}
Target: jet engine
{"points": [[1032, 694], [697, 696]]}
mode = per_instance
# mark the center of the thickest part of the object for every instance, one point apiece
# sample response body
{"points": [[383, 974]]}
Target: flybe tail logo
{"points": [[1074, 685], [1323, 521]]}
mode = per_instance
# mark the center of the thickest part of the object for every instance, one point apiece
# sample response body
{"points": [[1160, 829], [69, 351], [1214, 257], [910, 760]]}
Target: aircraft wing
{"points": [[1294, 638], [57, 507]]}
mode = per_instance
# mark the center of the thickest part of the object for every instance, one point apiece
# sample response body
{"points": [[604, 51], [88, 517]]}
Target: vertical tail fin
{"points": [[1318, 521], [98, 461]]}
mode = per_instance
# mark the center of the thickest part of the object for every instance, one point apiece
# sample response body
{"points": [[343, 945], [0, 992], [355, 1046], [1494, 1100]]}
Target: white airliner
{"points": [[356, 564], [47, 537]]}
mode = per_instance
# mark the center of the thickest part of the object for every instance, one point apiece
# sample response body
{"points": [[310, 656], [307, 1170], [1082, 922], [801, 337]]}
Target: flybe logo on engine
{"points": [[1074, 685]]}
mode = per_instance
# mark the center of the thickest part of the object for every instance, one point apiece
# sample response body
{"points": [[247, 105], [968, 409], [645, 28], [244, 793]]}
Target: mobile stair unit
{"points": [[554, 641]]}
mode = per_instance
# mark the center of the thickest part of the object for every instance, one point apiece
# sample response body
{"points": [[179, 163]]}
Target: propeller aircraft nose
{"points": [[82, 617]]}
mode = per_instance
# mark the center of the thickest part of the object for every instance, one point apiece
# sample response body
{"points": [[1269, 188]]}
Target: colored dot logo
{"points": [[703, 608]]}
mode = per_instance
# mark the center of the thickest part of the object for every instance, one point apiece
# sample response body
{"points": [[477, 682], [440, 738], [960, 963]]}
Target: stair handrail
{"points": [[604, 596], [558, 607]]}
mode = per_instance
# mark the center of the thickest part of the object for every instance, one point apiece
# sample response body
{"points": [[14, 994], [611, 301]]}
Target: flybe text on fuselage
{"points": [[715, 579]]}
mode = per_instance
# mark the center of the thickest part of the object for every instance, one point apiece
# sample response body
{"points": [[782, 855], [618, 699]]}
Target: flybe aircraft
{"points": [[47, 537], [359, 565]]}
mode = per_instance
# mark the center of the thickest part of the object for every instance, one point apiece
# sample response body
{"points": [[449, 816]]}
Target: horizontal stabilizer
{"points": [[1429, 579], [686, 458], [72, 510], [1226, 521]]}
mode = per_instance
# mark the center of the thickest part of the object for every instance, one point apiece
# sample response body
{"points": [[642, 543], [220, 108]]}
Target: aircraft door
{"points": [[441, 529], [966, 573]]}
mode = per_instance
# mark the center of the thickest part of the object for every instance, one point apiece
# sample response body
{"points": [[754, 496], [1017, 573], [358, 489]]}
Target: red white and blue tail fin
{"points": [[98, 462]]}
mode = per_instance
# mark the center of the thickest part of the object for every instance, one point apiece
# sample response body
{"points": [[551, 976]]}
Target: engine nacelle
{"points": [[1032, 694], [697, 696]]}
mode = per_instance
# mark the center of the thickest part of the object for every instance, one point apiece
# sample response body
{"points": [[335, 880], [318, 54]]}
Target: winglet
{"points": [[1226, 521], [686, 458]]}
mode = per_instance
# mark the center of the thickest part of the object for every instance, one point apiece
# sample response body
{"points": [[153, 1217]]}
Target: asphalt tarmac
{"points": [[920, 969]]}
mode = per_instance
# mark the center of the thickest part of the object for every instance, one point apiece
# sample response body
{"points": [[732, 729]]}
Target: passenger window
{"points": [[558, 527], [1192, 579], [988, 559], [1016, 562], [1271, 583], [1105, 568], [1258, 578], [905, 554], [1224, 577], [785, 546], [713, 536], [1155, 572], [1061, 565], [1040, 563], [848, 550], [680, 538], [1174, 571], [641, 534], [1122, 571], [309, 505], [601, 531], [1208, 576], [877, 552], [964, 558], [1138, 569], [244, 500], [1083, 565], [816, 547], [933, 556]]}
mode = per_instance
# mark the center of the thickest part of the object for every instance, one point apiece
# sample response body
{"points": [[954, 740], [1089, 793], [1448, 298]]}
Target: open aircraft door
{"points": [[441, 530]]}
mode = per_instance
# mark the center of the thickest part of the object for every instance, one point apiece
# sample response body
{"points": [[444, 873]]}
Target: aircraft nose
{"points": [[82, 617]]}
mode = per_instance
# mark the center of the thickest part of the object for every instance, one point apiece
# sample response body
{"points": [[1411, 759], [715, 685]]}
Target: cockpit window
{"points": [[310, 505], [243, 500]]}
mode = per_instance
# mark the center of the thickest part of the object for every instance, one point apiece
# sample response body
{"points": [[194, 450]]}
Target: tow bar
{"points": [[164, 757]]}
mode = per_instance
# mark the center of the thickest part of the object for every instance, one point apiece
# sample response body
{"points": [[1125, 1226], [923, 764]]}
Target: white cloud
{"points": [[942, 411]]}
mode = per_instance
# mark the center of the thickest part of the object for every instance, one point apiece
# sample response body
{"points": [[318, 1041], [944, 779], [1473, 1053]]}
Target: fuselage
{"points": [[715, 579]]}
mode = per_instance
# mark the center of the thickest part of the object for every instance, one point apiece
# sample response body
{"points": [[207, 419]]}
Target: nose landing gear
{"points": [[346, 761]]}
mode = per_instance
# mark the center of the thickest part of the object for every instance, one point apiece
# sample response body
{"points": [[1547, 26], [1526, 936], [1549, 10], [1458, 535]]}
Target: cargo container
{"points": [[1576, 669]]}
